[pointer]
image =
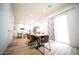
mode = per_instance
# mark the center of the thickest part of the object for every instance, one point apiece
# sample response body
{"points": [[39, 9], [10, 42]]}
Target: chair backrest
{"points": [[19, 33], [29, 37], [45, 39]]}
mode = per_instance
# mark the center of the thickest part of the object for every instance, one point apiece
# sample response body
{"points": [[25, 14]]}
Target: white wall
{"points": [[73, 25], [6, 26]]}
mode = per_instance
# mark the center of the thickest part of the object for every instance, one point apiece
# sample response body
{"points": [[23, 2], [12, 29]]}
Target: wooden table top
{"points": [[39, 34]]}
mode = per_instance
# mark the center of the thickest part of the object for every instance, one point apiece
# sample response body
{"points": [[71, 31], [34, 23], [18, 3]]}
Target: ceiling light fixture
{"points": [[49, 6]]}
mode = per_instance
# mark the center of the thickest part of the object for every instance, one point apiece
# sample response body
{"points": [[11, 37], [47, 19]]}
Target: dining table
{"points": [[38, 37]]}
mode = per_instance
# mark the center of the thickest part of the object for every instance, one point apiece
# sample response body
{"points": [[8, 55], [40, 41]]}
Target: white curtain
{"points": [[61, 29], [51, 28]]}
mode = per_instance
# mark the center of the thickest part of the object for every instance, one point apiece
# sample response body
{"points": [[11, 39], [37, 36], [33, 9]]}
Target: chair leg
{"points": [[43, 51], [49, 45], [46, 48]]}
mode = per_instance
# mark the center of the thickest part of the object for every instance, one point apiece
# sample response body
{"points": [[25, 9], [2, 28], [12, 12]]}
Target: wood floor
{"points": [[19, 47]]}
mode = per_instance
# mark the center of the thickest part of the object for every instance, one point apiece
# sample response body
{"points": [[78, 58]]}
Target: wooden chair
{"points": [[31, 40], [19, 35], [45, 40], [29, 37]]}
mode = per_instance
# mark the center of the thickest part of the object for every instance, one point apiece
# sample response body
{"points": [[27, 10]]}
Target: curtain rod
{"points": [[65, 11]]}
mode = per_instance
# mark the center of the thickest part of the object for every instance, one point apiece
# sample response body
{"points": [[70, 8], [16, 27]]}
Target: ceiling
{"points": [[24, 12]]}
